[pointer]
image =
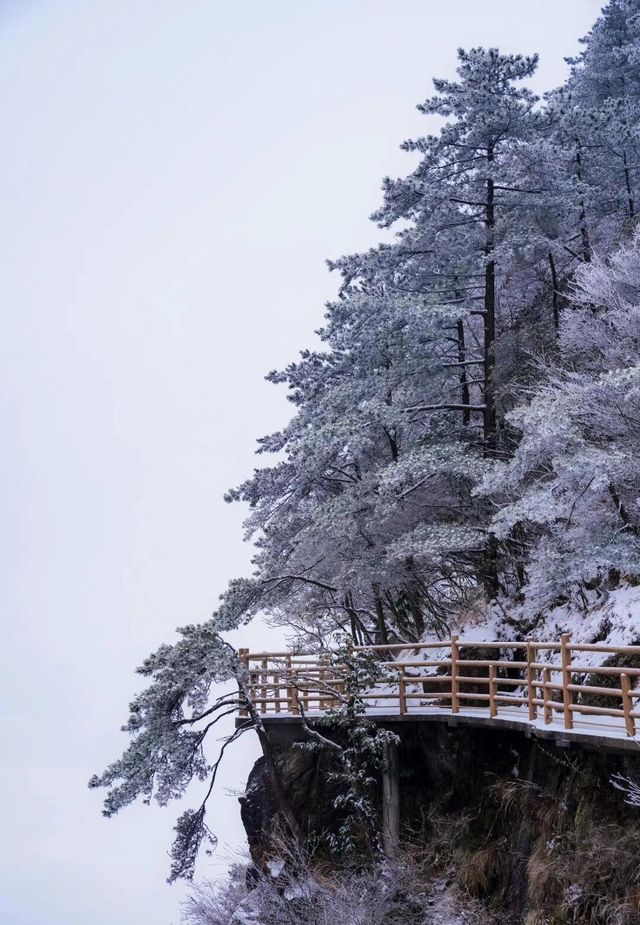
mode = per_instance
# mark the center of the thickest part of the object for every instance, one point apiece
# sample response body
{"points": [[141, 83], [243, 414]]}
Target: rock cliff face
{"points": [[305, 781], [536, 831]]}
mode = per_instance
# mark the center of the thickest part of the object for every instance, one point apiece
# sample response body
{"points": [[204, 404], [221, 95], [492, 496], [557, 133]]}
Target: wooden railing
{"points": [[544, 681]]}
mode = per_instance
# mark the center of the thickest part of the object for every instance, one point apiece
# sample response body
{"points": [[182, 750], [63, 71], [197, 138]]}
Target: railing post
{"points": [[263, 687], [531, 676], [276, 691], [289, 688], [321, 683], [567, 697], [243, 655], [548, 709], [455, 684], [402, 692], [493, 708], [627, 704], [295, 709], [328, 683], [342, 684]]}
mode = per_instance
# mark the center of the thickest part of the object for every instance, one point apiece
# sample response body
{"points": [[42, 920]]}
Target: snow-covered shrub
{"points": [[359, 747], [305, 893]]}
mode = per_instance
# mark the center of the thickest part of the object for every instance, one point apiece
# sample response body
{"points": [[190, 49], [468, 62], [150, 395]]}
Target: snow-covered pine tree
{"points": [[369, 520], [605, 83], [470, 164], [587, 139], [343, 539], [170, 723], [590, 125], [573, 485], [464, 251]]}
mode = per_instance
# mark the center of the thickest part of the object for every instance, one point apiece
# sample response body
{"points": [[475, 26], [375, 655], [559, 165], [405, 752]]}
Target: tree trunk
{"points": [[554, 284], [489, 315], [464, 383], [355, 635], [381, 627], [491, 547], [359, 632], [621, 509], [584, 231], [627, 180]]}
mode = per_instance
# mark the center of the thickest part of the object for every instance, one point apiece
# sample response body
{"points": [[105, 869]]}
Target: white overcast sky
{"points": [[173, 173]]}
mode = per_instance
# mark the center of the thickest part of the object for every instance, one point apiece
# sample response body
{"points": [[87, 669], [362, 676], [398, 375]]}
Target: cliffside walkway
{"points": [[560, 690]]}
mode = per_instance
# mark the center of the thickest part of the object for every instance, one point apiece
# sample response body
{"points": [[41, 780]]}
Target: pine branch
{"points": [[445, 408]]}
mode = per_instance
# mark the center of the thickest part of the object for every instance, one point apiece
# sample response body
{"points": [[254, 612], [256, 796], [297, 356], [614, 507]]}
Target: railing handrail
{"points": [[462, 643], [294, 682]]}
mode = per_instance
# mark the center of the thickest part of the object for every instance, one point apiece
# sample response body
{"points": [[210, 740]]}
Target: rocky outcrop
{"points": [[536, 831], [306, 781]]}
